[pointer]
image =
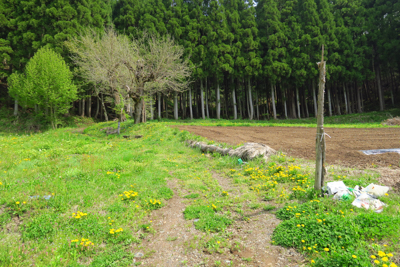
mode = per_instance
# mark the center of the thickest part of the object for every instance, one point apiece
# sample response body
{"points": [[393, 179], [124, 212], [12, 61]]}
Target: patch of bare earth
{"points": [[167, 246], [255, 236], [176, 242]]}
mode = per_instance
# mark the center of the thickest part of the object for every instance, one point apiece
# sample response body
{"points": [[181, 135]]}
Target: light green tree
{"points": [[47, 82]]}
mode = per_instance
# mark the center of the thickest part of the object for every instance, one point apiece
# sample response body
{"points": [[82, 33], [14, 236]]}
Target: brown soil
{"points": [[177, 243], [343, 148]]}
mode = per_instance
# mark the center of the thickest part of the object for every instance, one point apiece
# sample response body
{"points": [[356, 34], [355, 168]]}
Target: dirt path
{"points": [[167, 246], [176, 242], [342, 148], [255, 235]]}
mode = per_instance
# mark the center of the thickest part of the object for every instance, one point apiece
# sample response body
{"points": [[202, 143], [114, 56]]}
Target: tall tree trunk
{"points": [[97, 106], [320, 139], [273, 100], [83, 107], [337, 100], [240, 108], [79, 107], [183, 100], [250, 100], [392, 87], [151, 108], [345, 98], [190, 104], [302, 104], [234, 100], [202, 99], [159, 105], [89, 107], [349, 100], [314, 97], [293, 100], [176, 105], [305, 104], [298, 102], [128, 106], [378, 82], [197, 111], [218, 102], [104, 107], [144, 117], [266, 101], [16, 107], [207, 111], [258, 110], [138, 109], [166, 106], [329, 101], [359, 108], [247, 101], [284, 103]]}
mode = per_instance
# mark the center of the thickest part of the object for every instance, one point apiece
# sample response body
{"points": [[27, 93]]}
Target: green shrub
{"points": [[344, 258]]}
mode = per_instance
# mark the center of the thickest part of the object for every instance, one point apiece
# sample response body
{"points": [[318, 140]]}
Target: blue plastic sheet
{"points": [[381, 151]]}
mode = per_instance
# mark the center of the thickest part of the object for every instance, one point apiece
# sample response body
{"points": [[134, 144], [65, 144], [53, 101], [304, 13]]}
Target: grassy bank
{"points": [[363, 120]]}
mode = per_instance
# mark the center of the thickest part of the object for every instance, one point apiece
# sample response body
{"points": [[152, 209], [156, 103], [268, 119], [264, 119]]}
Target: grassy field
{"points": [[73, 198]]}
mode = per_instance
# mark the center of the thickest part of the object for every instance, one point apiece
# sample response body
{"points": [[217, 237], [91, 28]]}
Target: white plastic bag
{"points": [[334, 187], [368, 202], [376, 190]]}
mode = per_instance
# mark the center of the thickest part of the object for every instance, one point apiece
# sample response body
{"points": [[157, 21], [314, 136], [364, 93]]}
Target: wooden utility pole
{"points": [[320, 140]]}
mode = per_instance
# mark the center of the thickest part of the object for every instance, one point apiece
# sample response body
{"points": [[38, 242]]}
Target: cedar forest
{"points": [[249, 59]]}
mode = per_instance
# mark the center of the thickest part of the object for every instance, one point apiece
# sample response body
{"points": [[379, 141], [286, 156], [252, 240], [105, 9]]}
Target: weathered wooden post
{"points": [[320, 140]]}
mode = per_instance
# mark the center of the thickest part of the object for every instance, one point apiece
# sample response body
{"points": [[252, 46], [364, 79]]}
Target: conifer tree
{"points": [[251, 64], [126, 15], [5, 48], [49, 23], [218, 52], [233, 8], [272, 42]]}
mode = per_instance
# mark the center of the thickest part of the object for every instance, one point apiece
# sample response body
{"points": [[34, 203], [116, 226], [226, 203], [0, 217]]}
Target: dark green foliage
{"points": [[250, 46], [314, 226], [50, 23]]}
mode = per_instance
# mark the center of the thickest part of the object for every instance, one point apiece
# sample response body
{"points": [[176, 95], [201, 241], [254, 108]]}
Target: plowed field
{"points": [[343, 148]]}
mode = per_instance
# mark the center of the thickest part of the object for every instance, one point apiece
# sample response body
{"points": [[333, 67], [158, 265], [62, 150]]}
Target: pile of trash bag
{"points": [[366, 197]]}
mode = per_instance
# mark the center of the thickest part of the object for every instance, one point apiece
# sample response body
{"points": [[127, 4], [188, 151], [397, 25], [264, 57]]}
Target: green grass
{"points": [[114, 181], [364, 120], [59, 186]]}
